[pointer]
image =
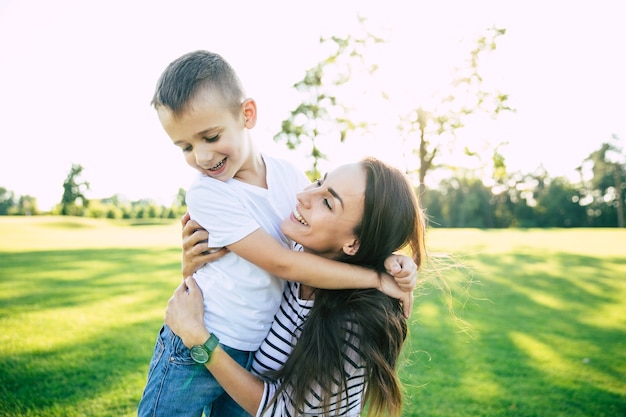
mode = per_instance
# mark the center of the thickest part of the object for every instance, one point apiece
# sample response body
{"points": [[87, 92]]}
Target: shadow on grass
{"points": [[48, 279], [110, 302], [550, 340]]}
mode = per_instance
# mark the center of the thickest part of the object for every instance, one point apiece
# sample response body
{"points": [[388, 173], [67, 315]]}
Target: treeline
{"points": [[466, 202], [458, 202], [115, 207], [463, 199]]}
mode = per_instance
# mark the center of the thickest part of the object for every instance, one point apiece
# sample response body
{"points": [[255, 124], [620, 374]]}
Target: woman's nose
{"points": [[304, 197]]}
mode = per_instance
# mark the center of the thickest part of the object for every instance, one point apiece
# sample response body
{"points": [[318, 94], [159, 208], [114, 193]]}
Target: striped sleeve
{"points": [[285, 330]]}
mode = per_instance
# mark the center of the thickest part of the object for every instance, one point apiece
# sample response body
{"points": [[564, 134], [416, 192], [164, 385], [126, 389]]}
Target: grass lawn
{"points": [[81, 301]]}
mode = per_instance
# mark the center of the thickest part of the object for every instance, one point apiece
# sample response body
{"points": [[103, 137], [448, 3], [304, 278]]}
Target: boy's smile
{"points": [[217, 169]]}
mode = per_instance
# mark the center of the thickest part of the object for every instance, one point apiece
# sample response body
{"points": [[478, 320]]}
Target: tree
{"points": [[7, 201], [181, 198], [321, 114], [608, 167], [430, 127], [27, 205], [73, 190]]}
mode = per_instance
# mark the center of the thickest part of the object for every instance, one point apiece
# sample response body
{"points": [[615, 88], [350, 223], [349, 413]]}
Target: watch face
{"points": [[199, 354]]}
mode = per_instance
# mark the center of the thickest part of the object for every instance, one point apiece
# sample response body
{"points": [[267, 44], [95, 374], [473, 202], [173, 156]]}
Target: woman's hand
{"points": [[389, 286], [196, 251], [185, 313]]}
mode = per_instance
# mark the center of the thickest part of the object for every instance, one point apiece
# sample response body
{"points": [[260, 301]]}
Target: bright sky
{"points": [[76, 78]]}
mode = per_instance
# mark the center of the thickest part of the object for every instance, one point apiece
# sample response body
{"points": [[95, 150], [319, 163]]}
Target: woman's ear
{"points": [[351, 248], [248, 108]]}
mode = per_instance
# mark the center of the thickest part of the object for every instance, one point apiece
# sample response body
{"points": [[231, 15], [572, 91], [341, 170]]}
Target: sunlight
{"points": [[550, 360], [481, 386], [543, 356], [77, 324], [427, 40]]}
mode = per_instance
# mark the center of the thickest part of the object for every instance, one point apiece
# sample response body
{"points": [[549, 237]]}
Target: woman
{"points": [[333, 355]]}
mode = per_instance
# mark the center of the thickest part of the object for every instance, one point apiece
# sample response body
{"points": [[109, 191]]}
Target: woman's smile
{"points": [[327, 212], [299, 218]]}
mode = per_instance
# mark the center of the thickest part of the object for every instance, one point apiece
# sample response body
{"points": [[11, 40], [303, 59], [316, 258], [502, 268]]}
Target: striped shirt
{"points": [[275, 350]]}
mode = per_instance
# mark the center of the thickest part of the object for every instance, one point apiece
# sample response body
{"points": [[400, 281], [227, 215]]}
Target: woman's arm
{"points": [[184, 315]]}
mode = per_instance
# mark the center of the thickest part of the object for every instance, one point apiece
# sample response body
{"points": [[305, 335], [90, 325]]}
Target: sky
{"points": [[76, 79]]}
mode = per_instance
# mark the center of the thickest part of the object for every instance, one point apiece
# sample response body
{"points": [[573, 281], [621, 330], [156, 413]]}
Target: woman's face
{"points": [[327, 212]]}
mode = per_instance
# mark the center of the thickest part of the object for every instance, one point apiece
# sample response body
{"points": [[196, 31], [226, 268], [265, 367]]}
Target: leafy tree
{"points": [[606, 187], [465, 203], [7, 201], [321, 114], [180, 200], [27, 206], [432, 130], [73, 190], [558, 204]]}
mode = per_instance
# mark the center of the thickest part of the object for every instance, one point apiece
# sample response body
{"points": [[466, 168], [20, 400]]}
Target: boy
{"points": [[240, 198]]}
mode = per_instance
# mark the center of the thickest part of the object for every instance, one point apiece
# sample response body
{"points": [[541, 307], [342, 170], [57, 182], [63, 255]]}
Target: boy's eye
{"points": [[212, 138], [187, 148]]}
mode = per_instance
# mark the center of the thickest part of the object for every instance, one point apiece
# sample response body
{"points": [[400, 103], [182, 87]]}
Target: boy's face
{"points": [[213, 139]]}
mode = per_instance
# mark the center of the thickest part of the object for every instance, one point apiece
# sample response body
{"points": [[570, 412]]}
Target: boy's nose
{"points": [[204, 158]]}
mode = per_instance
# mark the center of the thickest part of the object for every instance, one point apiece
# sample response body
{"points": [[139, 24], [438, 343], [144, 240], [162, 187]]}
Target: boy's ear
{"points": [[351, 248], [248, 108]]}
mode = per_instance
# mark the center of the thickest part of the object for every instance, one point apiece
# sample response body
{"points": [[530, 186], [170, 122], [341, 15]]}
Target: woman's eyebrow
{"points": [[334, 194]]}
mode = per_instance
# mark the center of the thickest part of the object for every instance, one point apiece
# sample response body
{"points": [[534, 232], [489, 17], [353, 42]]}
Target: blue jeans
{"points": [[178, 386]]}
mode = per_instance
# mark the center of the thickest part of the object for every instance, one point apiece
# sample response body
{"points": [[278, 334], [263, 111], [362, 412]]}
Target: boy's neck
{"points": [[254, 173]]}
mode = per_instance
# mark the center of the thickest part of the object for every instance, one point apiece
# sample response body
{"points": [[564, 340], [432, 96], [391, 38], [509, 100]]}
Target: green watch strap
{"points": [[202, 353], [211, 343]]}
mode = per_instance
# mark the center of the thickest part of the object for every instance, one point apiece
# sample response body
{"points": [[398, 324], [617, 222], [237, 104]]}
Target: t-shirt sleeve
{"points": [[220, 210]]}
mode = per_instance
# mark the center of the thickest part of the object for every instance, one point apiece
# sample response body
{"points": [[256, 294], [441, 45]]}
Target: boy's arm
{"points": [[302, 267], [265, 252]]}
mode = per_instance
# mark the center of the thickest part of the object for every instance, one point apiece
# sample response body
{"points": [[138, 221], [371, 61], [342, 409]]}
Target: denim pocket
{"points": [[180, 353]]}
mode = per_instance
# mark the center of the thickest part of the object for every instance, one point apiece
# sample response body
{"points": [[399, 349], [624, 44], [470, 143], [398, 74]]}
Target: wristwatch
{"points": [[202, 353]]}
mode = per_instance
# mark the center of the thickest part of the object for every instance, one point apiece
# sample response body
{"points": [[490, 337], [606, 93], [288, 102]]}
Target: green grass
{"points": [[81, 302]]}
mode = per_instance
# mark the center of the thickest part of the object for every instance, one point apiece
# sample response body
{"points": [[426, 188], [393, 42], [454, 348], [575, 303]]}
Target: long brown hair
{"points": [[367, 321]]}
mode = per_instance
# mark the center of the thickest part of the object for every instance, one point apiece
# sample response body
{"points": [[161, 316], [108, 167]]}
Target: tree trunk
{"points": [[618, 194]]}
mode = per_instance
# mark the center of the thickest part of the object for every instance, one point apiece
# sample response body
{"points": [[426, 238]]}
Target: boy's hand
{"points": [[403, 269], [401, 280], [196, 251], [389, 286]]}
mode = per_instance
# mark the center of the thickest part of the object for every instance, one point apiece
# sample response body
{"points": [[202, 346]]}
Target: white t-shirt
{"points": [[240, 299]]}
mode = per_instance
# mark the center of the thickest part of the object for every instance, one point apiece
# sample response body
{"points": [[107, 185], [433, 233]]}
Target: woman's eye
{"points": [[327, 204]]}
